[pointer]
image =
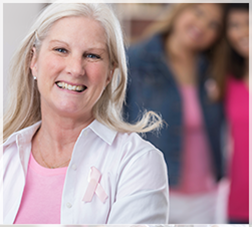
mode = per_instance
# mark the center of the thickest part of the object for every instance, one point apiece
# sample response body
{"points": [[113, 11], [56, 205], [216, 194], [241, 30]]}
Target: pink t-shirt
{"points": [[41, 201], [237, 111], [196, 167]]}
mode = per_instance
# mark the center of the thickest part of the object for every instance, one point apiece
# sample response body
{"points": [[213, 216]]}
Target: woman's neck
{"points": [[60, 133], [53, 144]]}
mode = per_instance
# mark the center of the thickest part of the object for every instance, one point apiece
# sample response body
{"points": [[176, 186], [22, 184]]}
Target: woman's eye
{"points": [[93, 56], [61, 50]]}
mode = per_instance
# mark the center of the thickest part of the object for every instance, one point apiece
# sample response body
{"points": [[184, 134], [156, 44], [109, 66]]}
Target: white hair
{"points": [[24, 109]]}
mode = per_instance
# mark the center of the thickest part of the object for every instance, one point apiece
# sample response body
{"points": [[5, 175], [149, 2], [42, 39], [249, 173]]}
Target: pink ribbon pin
{"points": [[94, 186]]}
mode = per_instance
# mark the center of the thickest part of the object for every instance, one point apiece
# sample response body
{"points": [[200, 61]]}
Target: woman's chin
{"points": [[69, 110]]}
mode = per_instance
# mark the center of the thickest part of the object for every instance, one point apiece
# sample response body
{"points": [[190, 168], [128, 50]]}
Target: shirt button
{"points": [[74, 167], [69, 205]]}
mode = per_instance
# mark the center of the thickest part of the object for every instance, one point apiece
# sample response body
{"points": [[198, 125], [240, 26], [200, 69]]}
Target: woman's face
{"points": [[72, 67], [198, 26], [238, 31]]}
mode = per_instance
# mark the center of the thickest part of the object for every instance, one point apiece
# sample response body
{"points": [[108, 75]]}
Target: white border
{"points": [[125, 1], [1, 113]]}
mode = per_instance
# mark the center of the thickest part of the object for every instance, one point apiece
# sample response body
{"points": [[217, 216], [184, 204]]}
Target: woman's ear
{"points": [[33, 64], [110, 75]]}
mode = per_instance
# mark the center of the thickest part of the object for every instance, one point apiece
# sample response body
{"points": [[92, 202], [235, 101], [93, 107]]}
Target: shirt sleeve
{"points": [[142, 193]]}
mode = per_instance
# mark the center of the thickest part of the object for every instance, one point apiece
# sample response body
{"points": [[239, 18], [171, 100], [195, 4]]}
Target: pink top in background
{"points": [[237, 111], [41, 201], [196, 172]]}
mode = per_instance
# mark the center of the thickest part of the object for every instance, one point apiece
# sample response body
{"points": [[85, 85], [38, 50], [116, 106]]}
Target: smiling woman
{"points": [[69, 157]]}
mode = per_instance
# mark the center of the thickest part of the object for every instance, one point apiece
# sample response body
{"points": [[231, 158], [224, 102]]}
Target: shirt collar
{"points": [[25, 135], [106, 134]]}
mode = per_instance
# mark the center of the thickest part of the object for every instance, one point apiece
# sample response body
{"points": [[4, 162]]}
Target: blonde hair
{"points": [[24, 103]]}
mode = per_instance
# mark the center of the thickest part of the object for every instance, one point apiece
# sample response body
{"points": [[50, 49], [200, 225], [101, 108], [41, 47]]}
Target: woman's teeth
{"points": [[69, 87]]}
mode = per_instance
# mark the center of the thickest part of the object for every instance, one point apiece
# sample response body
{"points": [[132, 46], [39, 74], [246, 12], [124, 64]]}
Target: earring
{"points": [[35, 78]]}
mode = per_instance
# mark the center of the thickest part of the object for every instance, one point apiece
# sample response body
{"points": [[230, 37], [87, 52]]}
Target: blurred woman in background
{"points": [[236, 96], [171, 74]]}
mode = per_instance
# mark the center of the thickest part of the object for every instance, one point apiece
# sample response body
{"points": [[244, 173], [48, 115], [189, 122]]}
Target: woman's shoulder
{"points": [[134, 138], [234, 83], [122, 149], [134, 144], [120, 140], [138, 157]]}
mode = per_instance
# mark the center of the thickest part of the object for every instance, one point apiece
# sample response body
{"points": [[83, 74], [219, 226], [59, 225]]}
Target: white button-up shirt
{"points": [[133, 175]]}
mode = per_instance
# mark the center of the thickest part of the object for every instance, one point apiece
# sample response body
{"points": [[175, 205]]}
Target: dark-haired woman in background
{"points": [[237, 110]]}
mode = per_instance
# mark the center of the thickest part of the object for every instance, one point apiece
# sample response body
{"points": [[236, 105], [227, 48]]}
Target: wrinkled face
{"points": [[72, 67], [238, 31], [198, 26]]}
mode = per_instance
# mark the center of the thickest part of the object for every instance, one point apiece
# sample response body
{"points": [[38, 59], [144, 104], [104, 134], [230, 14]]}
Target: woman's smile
{"points": [[71, 87]]}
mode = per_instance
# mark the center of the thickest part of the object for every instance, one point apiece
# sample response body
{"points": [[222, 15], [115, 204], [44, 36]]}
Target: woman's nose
{"points": [[75, 66], [204, 24]]}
